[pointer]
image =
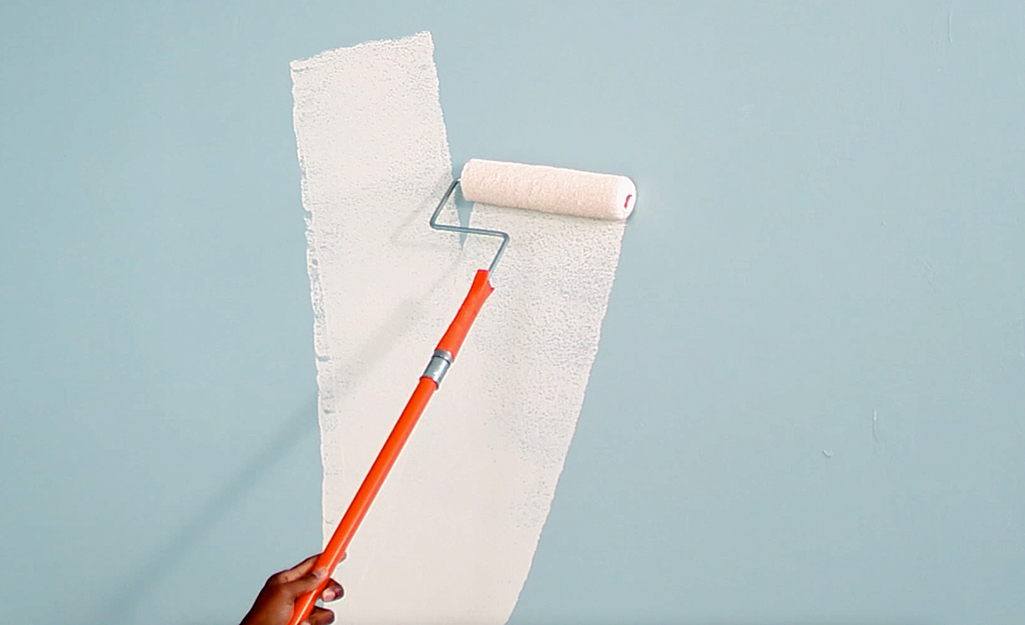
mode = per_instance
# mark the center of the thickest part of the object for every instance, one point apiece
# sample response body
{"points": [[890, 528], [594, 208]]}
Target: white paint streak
{"points": [[452, 534]]}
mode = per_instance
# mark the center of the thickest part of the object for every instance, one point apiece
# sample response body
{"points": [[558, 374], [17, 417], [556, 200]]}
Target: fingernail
{"points": [[320, 573], [329, 595]]}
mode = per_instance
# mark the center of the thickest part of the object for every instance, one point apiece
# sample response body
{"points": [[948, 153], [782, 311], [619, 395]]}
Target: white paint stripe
{"points": [[452, 534]]}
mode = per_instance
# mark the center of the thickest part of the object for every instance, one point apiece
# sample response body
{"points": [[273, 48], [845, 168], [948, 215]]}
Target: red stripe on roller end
{"points": [[626, 204]]}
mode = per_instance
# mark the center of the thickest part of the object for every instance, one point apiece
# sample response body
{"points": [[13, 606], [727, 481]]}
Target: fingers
{"points": [[332, 592], [320, 616], [294, 573], [311, 581]]}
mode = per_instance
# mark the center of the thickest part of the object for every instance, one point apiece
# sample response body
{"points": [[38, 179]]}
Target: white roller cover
{"points": [[548, 189]]}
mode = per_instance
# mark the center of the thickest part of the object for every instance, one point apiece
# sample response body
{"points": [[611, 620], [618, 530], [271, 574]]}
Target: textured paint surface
{"points": [[453, 532]]}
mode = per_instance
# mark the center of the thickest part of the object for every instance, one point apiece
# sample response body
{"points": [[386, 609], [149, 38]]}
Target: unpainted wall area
{"points": [[808, 401]]}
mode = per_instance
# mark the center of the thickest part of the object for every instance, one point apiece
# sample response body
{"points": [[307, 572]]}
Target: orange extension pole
{"points": [[443, 357]]}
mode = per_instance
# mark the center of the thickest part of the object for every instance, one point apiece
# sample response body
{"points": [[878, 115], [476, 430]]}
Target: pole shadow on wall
{"points": [[123, 603]]}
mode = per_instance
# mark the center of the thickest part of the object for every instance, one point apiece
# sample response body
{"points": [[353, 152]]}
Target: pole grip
{"points": [[343, 534], [451, 342], [453, 339]]}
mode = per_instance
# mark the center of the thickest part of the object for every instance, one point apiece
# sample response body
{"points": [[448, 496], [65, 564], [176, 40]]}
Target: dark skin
{"points": [[273, 606]]}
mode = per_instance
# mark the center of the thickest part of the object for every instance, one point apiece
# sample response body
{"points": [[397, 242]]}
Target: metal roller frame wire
{"points": [[467, 230]]}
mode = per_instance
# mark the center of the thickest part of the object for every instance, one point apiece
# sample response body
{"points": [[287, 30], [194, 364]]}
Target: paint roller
{"points": [[533, 187]]}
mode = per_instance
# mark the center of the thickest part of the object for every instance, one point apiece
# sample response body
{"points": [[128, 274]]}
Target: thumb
{"points": [[311, 581]]}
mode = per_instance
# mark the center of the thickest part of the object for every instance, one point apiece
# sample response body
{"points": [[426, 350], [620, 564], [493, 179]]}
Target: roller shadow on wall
{"points": [[123, 603]]}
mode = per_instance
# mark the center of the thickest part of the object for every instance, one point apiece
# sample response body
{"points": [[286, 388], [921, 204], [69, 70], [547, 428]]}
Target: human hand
{"points": [[274, 604]]}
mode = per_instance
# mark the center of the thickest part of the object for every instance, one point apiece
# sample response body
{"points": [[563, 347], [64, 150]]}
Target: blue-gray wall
{"points": [[809, 403]]}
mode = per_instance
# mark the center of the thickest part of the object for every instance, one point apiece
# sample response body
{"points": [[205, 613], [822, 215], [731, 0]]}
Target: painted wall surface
{"points": [[809, 400]]}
